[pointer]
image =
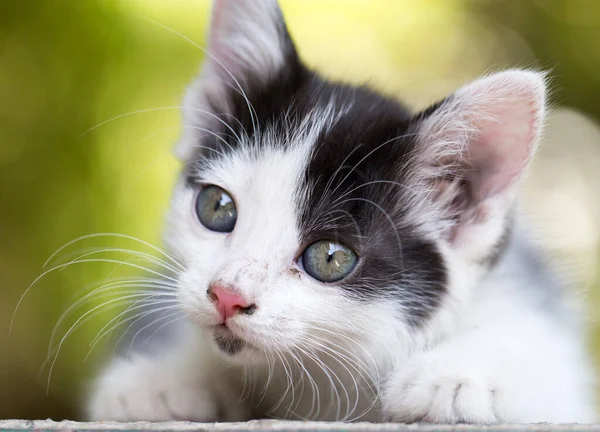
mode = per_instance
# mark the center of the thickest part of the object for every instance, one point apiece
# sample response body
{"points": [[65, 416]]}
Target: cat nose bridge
{"points": [[263, 242], [244, 274]]}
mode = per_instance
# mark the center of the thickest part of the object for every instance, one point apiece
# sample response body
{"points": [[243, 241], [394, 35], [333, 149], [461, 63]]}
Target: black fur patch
{"points": [[227, 342], [357, 178]]}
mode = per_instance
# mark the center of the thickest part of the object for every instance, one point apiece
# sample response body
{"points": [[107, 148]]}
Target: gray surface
{"points": [[273, 425]]}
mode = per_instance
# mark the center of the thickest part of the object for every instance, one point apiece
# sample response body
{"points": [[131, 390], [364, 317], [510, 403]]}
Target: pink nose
{"points": [[228, 303]]}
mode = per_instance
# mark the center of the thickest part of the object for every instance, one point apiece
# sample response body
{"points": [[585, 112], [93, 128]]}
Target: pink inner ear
{"points": [[247, 39], [219, 28], [506, 111]]}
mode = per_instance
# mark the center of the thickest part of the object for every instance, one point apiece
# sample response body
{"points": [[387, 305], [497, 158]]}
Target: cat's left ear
{"points": [[249, 48], [477, 145]]}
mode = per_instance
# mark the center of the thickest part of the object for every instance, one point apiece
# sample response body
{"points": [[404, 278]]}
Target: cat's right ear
{"points": [[476, 147], [249, 47]]}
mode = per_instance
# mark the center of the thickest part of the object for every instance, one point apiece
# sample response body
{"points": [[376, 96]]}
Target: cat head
{"points": [[310, 211]]}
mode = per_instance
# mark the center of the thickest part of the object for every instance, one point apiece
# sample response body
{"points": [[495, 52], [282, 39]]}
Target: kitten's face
{"points": [[311, 213], [294, 188]]}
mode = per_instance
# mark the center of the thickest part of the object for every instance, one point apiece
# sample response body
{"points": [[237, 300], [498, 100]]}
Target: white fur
{"points": [[490, 354], [170, 386], [293, 309], [500, 360], [506, 362]]}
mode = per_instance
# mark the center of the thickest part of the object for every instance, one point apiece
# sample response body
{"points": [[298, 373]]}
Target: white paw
{"points": [[431, 388], [140, 389]]}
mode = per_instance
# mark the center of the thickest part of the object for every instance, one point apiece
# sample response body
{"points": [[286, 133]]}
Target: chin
{"points": [[235, 347]]}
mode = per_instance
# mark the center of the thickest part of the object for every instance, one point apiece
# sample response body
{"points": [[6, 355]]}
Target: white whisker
{"points": [[117, 235], [392, 140], [145, 256], [82, 320], [390, 220], [140, 304], [92, 260], [364, 185], [135, 336], [251, 109], [104, 289]]}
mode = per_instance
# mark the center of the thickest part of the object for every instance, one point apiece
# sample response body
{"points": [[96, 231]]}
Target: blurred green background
{"points": [[67, 66]]}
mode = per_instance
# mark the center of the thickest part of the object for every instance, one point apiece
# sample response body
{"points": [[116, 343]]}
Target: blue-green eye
{"points": [[328, 261], [216, 209]]}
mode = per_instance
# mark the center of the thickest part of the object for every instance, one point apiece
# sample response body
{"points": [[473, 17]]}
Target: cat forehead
{"points": [[318, 141], [336, 120], [321, 161]]}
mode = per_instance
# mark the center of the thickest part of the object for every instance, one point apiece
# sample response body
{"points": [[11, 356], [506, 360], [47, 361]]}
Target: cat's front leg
{"points": [[179, 384], [439, 387], [493, 375]]}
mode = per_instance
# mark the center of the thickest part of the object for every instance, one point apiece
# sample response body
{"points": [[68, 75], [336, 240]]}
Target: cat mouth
{"points": [[227, 341]]}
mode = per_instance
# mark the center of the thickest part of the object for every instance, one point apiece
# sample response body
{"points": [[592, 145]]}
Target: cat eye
{"points": [[216, 209], [328, 261]]}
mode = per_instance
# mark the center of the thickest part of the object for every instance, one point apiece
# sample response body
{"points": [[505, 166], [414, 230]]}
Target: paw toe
{"points": [[474, 403]]}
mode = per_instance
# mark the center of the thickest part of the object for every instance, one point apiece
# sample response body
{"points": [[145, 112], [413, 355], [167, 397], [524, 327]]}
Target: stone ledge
{"points": [[273, 425]]}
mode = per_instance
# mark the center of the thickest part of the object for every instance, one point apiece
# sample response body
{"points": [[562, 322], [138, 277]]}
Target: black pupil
{"points": [[221, 203], [218, 204], [330, 257]]}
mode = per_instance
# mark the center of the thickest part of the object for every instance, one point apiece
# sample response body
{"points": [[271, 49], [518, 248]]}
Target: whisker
{"points": [[117, 235], [251, 109], [216, 116], [337, 356], [142, 303], [364, 185], [335, 173], [289, 381], [313, 385], [390, 220], [246, 380], [149, 258], [348, 339], [291, 410], [352, 361], [91, 260], [132, 343], [103, 260], [165, 324], [352, 218], [334, 394], [100, 290], [270, 373], [77, 324], [217, 136], [369, 154], [137, 318], [115, 302]]}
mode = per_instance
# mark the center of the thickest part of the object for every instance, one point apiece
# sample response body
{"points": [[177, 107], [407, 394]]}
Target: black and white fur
{"points": [[448, 317]]}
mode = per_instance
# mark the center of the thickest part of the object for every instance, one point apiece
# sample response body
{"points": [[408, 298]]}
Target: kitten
{"points": [[343, 259]]}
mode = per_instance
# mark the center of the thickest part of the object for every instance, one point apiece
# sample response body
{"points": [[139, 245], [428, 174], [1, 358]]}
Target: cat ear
{"points": [[248, 40], [479, 143], [249, 47]]}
